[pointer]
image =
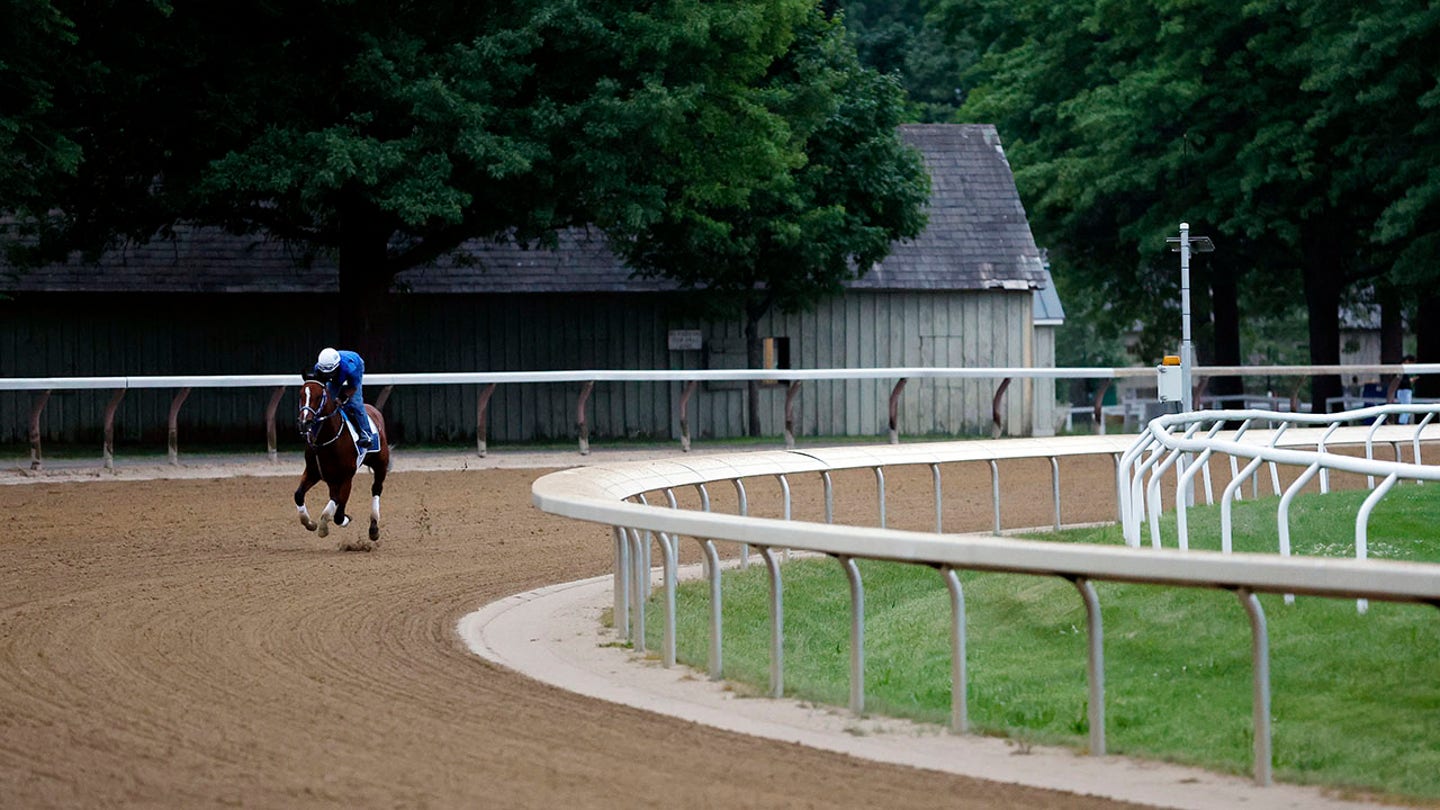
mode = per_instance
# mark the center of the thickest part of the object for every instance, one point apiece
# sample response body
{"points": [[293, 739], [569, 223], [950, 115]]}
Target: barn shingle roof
{"points": [[978, 238]]}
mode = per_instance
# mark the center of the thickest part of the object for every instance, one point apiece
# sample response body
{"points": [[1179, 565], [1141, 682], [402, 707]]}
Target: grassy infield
{"points": [[1355, 699]]}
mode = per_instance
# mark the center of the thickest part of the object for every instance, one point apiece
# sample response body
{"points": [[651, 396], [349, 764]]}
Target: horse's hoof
{"points": [[374, 531], [308, 524], [324, 529]]}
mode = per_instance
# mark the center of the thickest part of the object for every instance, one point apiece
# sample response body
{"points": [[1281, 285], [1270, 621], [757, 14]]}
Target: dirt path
{"points": [[181, 643]]}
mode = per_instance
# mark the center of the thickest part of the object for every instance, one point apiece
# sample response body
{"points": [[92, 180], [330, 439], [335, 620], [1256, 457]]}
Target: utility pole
{"points": [[1185, 243]]}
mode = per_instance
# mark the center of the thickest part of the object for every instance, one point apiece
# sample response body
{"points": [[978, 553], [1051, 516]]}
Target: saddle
{"points": [[361, 452]]}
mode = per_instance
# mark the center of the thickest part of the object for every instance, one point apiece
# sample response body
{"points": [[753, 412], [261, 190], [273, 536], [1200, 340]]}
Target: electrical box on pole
{"points": [[1169, 382]]}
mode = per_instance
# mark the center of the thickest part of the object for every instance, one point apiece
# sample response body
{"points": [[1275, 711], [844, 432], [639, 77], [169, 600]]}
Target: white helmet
{"points": [[328, 361]]}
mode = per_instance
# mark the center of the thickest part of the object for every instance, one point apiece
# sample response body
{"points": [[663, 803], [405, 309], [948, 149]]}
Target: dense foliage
{"points": [[389, 133], [1300, 136]]}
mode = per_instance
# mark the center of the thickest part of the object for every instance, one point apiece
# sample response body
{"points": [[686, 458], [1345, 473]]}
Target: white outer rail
{"points": [[600, 495], [692, 377], [1203, 436]]}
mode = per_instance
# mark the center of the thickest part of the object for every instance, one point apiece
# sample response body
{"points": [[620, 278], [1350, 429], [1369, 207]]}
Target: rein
{"points": [[320, 419]]}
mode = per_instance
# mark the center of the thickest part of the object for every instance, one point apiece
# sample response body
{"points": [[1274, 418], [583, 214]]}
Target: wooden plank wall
{"points": [[133, 335]]}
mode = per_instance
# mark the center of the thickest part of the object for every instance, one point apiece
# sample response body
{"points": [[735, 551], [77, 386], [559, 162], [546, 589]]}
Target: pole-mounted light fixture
{"points": [[1184, 245]]}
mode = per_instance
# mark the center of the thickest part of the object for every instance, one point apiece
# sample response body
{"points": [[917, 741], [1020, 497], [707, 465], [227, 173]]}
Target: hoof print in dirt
{"points": [[358, 545]]}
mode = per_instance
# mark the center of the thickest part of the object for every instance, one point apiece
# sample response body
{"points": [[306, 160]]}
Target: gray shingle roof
{"points": [[978, 238]]}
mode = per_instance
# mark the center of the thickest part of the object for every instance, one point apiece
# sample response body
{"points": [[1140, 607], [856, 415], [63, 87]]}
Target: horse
{"points": [[332, 456]]}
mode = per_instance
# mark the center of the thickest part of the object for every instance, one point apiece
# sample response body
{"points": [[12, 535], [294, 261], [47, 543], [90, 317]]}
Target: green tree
{"points": [[1125, 117], [389, 133], [900, 37], [833, 214]]}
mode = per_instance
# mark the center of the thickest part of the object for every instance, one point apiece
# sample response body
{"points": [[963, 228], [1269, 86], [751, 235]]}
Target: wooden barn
{"points": [[962, 294]]}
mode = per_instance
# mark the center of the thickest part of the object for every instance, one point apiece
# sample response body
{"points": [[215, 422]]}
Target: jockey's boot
{"points": [[366, 442]]}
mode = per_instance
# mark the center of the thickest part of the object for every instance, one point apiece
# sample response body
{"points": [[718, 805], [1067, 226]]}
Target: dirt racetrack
{"points": [[184, 643]]}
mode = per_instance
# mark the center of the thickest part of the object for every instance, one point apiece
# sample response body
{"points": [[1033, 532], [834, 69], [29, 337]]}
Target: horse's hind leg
{"points": [[335, 509], [308, 479], [377, 487]]}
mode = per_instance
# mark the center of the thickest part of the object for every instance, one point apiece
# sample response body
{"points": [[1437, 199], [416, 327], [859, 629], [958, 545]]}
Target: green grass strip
{"points": [[1355, 698]]}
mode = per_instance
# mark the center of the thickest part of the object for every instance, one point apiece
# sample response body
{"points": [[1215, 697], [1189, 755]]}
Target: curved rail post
{"points": [[621, 586], [1100, 406], [1055, 484], [1095, 712], [959, 715], [857, 635], [109, 449], [1320, 448], [36, 409], [482, 407], [1418, 430], [580, 421], [645, 556], [829, 487], [270, 408], [995, 492], [1282, 516], [1226, 498], [1152, 491], [939, 501], [895, 410], [880, 493], [667, 551], [684, 414], [714, 662], [1260, 666], [637, 591], [384, 397], [785, 493], [704, 507], [1362, 527], [1183, 482], [790, 392], [743, 510], [998, 428], [777, 624], [1370, 446], [174, 422]]}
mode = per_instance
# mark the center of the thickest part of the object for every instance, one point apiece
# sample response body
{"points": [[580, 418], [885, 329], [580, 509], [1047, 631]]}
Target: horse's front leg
{"points": [[308, 479], [335, 509], [378, 486]]}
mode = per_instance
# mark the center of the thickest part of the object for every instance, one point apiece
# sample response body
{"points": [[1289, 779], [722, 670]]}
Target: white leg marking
{"points": [[325, 518], [375, 508]]}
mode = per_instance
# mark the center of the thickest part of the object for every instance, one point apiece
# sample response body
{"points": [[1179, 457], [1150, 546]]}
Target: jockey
{"points": [[343, 372]]}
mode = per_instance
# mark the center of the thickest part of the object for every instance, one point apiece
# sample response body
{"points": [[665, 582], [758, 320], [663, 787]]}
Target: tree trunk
{"points": [[365, 278], [1323, 279], [1225, 307], [754, 358], [1427, 344], [1392, 329]]}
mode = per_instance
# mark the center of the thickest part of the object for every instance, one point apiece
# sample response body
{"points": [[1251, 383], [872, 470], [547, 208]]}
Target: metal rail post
{"points": [[482, 406], [959, 711], [1096, 667], [777, 624], [895, 410], [1260, 665], [270, 408], [109, 449], [580, 422], [174, 422], [857, 635], [36, 409]]}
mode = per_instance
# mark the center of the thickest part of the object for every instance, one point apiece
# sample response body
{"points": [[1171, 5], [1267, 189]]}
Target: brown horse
{"points": [[331, 455]]}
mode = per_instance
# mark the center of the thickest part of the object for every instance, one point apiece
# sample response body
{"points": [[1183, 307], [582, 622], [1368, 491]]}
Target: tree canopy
{"points": [[853, 191], [387, 133], [1299, 136]]}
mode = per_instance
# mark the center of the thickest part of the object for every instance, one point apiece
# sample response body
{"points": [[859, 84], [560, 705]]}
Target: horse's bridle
{"points": [[310, 428]]}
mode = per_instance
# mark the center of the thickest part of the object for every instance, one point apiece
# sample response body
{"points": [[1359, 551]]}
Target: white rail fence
{"points": [[278, 383], [618, 496]]}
